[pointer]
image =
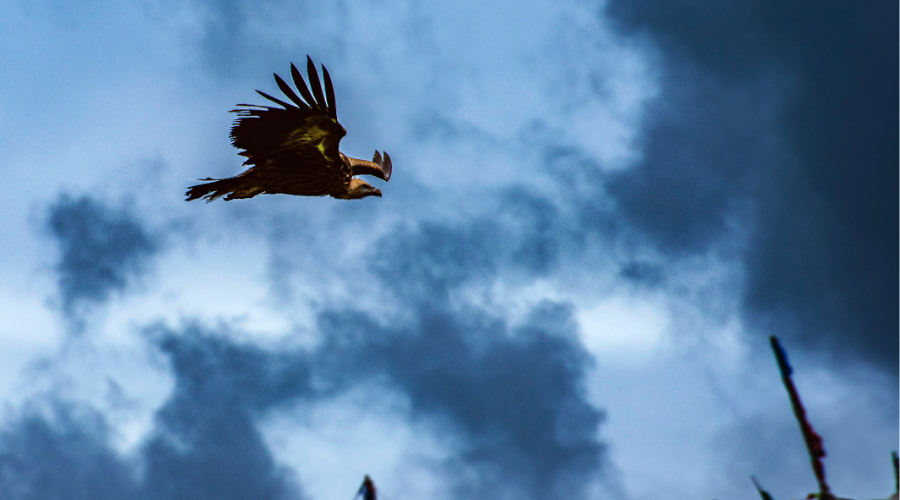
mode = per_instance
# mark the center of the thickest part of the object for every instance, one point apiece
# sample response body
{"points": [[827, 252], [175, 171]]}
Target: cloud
{"points": [[828, 252], [63, 452], [204, 444], [762, 134], [101, 250], [511, 393], [456, 292], [512, 396], [508, 399]]}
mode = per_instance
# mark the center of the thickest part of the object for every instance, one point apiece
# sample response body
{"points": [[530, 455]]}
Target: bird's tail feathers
{"points": [[233, 187]]}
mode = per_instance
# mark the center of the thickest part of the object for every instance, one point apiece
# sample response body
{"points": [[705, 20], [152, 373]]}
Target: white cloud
{"points": [[624, 328]]}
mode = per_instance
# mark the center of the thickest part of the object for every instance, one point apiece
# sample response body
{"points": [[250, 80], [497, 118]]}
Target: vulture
{"points": [[293, 149]]}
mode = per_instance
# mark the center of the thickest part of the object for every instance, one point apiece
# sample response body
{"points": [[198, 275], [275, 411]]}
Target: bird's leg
{"points": [[378, 167]]}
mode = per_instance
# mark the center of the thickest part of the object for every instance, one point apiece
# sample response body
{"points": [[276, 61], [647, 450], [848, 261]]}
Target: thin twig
{"points": [[813, 440], [762, 493]]}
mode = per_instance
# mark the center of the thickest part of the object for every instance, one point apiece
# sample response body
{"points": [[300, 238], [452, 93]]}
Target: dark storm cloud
{"points": [[690, 181], [512, 395], [831, 249], [101, 249], [788, 111], [205, 443], [65, 454]]}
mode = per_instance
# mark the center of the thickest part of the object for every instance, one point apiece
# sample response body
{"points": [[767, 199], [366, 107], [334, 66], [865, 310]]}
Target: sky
{"points": [[598, 214]]}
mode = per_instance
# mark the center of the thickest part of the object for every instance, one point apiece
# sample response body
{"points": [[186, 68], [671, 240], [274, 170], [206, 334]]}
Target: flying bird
{"points": [[293, 149]]}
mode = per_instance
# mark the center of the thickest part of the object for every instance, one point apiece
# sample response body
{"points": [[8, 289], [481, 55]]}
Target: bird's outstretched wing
{"points": [[301, 137]]}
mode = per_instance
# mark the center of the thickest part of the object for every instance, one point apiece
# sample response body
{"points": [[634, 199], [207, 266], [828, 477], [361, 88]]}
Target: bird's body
{"points": [[294, 149]]}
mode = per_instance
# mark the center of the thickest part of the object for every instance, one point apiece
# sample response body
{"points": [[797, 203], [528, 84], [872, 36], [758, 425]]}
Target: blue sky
{"points": [[599, 212]]}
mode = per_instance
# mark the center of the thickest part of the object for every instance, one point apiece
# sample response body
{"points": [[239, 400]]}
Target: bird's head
{"points": [[360, 189]]}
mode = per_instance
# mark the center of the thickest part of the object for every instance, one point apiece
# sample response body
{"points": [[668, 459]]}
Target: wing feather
{"points": [[288, 91], [315, 84], [301, 85], [273, 99], [329, 94]]}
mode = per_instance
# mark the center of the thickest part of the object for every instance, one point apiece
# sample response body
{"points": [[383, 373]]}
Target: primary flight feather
{"points": [[293, 149]]}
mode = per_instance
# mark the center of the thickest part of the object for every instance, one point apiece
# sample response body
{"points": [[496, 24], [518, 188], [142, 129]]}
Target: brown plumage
{"points": [[294, 149]]}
